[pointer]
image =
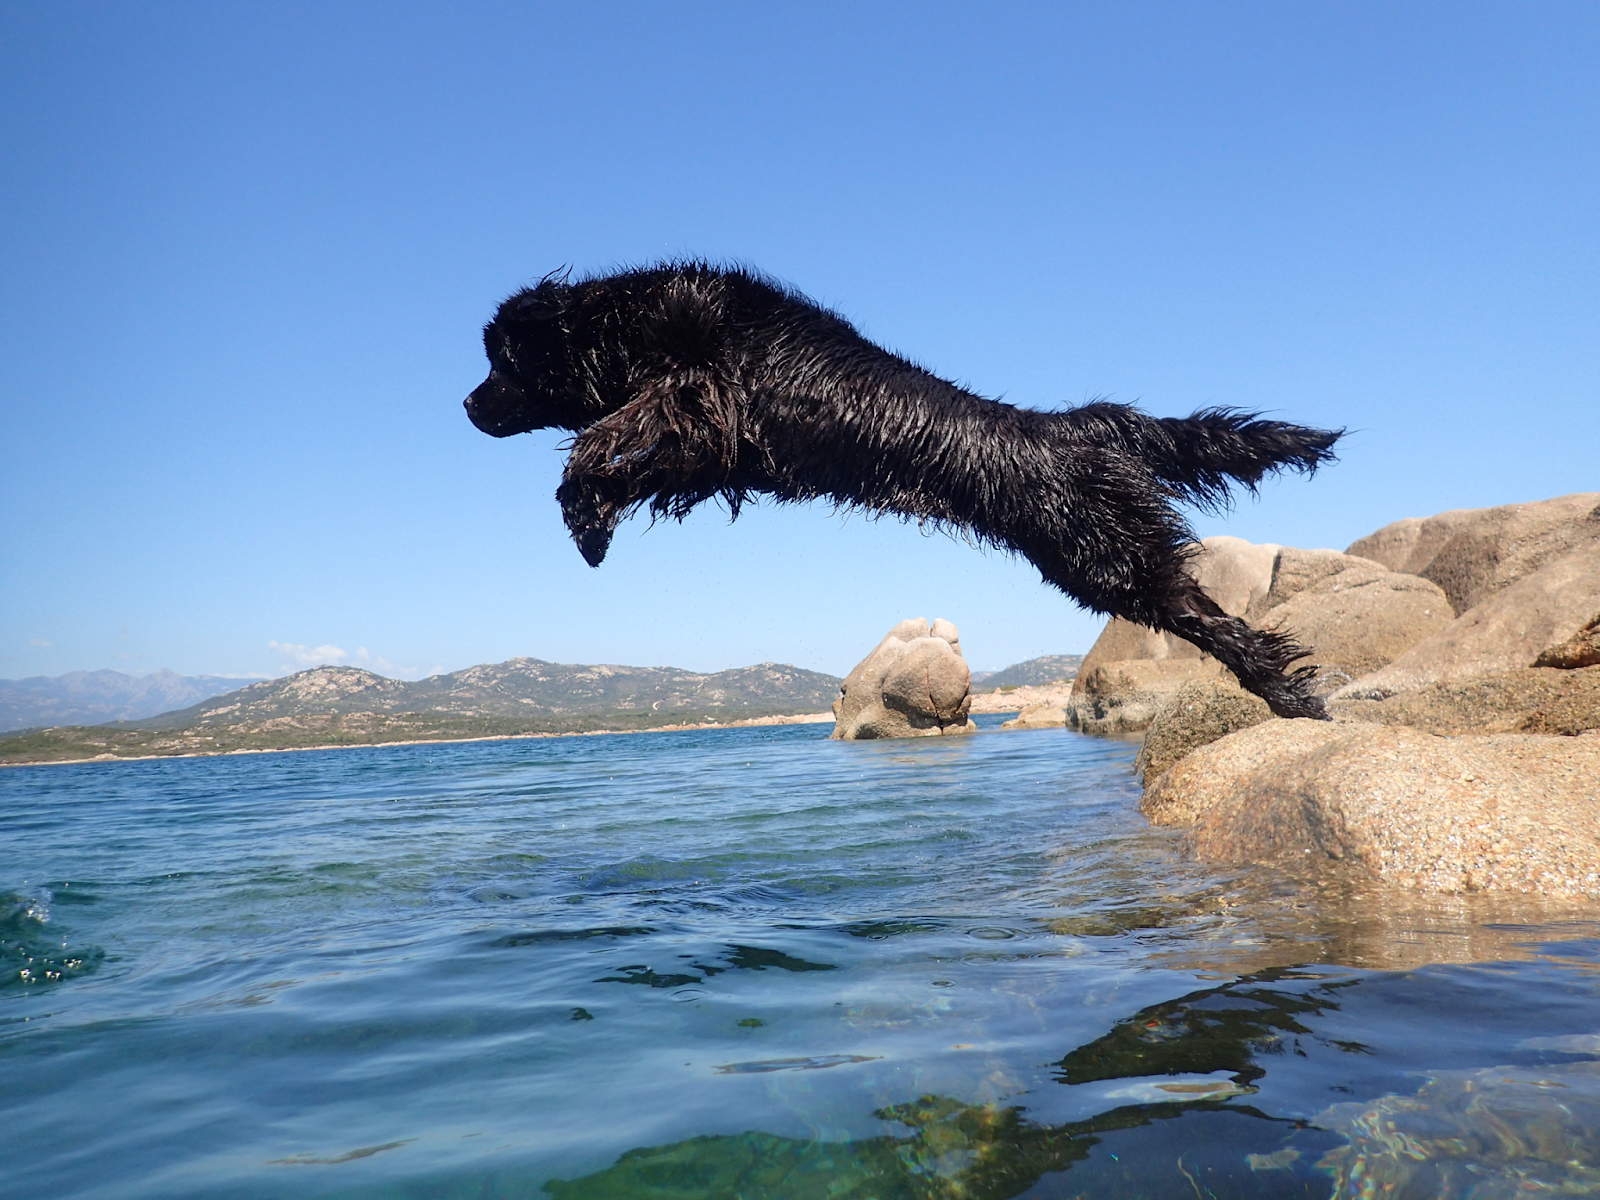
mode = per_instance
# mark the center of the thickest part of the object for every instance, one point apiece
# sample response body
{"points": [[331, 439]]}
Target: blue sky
{"points": [[246, 250]]}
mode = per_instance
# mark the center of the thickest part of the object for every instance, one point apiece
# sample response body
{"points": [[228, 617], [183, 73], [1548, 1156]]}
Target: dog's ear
{"points": [[690, 324], [545, 300]]}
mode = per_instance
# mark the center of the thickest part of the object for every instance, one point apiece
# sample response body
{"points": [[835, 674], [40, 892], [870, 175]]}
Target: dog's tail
{"points": [[1201, 456]]}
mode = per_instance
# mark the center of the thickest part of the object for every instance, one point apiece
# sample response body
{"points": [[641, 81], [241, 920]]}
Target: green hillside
{"points": [[1051, 668], [334, 706]]}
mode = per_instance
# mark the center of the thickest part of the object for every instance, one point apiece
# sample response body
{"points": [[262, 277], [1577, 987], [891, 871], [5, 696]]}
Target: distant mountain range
{"points": [[1052, 668], [90, 697], [340, 706], [520, 689], [332, 706]]}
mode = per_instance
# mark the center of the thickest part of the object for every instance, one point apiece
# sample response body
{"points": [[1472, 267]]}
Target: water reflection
{"points": [[974, 1152], [1167, 1056], [1269, 919], [737, 958], [1219, 1029], [1174, 1094]]}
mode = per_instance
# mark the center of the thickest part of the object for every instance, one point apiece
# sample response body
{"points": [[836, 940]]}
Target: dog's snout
{"points": [[496, 409]]}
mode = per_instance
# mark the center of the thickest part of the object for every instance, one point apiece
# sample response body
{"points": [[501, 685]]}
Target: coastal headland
{"points": [[332, 707]]}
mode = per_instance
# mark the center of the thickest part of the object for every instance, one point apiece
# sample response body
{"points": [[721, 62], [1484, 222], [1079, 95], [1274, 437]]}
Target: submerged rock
{"points": [[1493, 812], [915, 683], [1498, 1132]]}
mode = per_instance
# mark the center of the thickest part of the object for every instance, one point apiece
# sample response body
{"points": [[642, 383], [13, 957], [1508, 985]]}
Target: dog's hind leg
{"points": [[1137, 572], [1259, 658]]}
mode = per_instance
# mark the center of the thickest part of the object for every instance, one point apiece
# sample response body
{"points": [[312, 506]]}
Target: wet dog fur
{"points": [[685, 382]]}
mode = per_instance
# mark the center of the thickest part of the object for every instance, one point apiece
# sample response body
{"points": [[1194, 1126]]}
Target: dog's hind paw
{"points": [[1294, 704], [1311, 708]]}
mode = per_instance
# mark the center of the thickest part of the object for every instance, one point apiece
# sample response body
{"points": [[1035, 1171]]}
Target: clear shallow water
{"points": [[743, 963]]}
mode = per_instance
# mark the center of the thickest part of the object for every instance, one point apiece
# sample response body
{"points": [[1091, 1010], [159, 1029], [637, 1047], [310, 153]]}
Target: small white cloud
{"points": [[308, 656], [380, 664], [41, 642]]}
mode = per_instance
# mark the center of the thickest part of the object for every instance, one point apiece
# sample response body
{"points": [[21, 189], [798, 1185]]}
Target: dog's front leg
{"points": [[592, 513], [659, 449]]}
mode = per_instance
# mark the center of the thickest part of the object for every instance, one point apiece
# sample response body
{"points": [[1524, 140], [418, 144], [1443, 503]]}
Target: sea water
{"points": [[745, 963]]}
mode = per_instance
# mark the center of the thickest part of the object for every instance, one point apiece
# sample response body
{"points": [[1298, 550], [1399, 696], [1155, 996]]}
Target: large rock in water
{"points": [[914, 684], [1473, 553], [1354, 614], [1504, 812]]}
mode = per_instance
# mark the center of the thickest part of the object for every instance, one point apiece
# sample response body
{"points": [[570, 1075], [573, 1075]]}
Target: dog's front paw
{"points": [[593, 542]]}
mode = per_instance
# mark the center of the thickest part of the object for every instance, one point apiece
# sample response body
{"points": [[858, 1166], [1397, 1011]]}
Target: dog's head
{"points": [[533, 382]]}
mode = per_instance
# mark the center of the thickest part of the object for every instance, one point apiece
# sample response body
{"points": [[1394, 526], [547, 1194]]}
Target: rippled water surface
{"points": [[748, 963]]}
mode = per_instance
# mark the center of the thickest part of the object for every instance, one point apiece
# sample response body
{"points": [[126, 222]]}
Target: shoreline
{"points": [[983, 702], [741, 723], [1019, 698]]}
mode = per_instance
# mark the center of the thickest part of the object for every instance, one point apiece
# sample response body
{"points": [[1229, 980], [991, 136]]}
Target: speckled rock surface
{"points": [[1360, 617], [1196, 715], [1513, 628], [1473, 553], [1355, 614], [1038, 716], [1531, 700], [915, 683], [1491, 812], [1582, 649]]}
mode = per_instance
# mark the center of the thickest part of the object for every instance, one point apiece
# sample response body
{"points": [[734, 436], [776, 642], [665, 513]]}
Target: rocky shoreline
{"points": [[1460, 658]]}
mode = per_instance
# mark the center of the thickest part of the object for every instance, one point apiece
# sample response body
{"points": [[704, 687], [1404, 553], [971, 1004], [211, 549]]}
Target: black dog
{"points": [[684, 382]]}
